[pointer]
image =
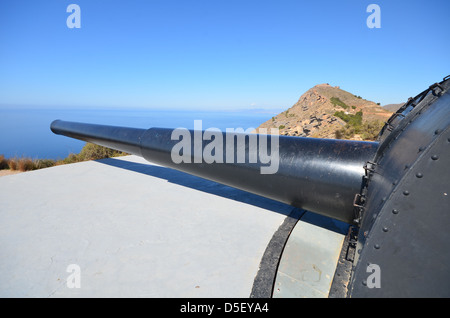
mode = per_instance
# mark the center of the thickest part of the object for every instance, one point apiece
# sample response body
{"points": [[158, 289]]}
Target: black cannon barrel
{"points": [[319, 175]]}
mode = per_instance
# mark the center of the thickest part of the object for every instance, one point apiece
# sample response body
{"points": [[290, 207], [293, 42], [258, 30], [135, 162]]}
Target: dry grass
{"points": [[21, 164], [89, 152], [24, 164], [13, 164]]}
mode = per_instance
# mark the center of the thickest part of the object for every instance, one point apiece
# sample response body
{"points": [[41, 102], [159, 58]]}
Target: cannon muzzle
{"points": [[319, 175]]}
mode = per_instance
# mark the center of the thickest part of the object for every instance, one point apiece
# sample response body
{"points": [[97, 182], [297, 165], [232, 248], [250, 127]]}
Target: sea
{"points": [[25, 131]]}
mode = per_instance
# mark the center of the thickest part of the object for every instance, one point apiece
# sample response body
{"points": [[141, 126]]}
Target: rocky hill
{"points": [[326, 111]]}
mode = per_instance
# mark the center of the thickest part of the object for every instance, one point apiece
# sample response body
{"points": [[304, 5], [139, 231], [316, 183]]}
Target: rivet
{"points": [[364, 282], [422, 148], [395, 211], [377, 246], [406, 192], [435, 157], [437, 131], [419, 175], [385, 229]]}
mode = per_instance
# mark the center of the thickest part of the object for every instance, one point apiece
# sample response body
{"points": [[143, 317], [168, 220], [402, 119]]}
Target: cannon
{"points": [[394, 192]]}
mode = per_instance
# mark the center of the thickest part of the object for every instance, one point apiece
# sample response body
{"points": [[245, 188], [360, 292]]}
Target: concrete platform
{"points": [[123, 227]]}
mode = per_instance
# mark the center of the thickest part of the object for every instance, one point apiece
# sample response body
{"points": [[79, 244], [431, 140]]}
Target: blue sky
{"points": [[217, 54]]}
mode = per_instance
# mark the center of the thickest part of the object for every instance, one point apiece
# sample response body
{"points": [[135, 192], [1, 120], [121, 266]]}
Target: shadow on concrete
{"points": [[200, 184], [326, 222]]}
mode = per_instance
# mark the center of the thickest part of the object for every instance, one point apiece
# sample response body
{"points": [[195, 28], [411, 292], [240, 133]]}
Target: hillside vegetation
{"points": [[325, 111], [88, 152]]}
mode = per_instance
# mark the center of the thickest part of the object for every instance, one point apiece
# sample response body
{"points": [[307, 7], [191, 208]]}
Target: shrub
{"points": [[43, 163], [25, 164], [71, 158], [368, 130], [337, 102], [22, 164], [89, 152], [3, 163], [281, 127], [95, 152], [13, 164], [371, 130], [352, 120]]}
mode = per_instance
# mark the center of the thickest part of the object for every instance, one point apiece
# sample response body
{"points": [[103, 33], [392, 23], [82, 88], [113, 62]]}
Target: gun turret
{"points": [[394, 192]]}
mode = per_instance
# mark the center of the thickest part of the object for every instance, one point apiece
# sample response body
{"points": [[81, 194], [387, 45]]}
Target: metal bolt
{"points": [[406, 192], [395, 211], [419, 175], [435, 157]]}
